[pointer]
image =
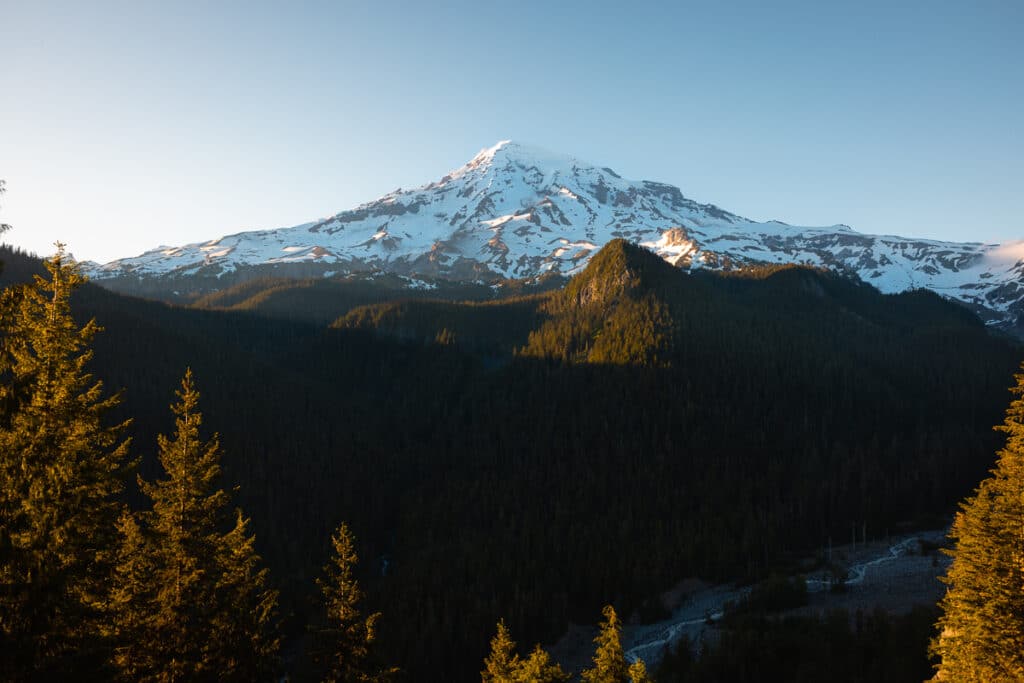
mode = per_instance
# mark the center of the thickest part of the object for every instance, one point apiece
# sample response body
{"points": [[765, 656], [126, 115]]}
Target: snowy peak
{"points": [[486, 156], [508, 152], [515, 211]]}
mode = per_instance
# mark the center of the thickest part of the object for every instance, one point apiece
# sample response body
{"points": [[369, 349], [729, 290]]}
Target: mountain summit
{"points": [[514, 211]]}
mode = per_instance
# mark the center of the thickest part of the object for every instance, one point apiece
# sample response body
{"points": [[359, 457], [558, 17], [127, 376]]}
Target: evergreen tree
{"points": [[131, 599], [206, 613], [638, 672], [345, 647], [61, 471], [609, 660], [245, 632], [503, 665], [538, 668], [981, 630]]}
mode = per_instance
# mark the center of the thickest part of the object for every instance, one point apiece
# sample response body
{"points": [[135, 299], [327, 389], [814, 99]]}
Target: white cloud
{"points": [[1009, 253]]}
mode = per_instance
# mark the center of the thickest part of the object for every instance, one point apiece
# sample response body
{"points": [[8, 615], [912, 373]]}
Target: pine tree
{"points": [[981, 630], [247, 631], [538, 668], [130, 601], [206, 613], [503, 665], [638, 672], [609, 660], [345, 647], [61, 471]]}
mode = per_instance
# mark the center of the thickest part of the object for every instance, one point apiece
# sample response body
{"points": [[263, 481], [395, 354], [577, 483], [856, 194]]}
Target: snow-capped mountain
{"points": [[516, 212]]}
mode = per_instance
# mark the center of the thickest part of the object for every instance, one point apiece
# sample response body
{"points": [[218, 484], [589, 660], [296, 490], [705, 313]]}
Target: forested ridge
{"points": [[536, 458]]}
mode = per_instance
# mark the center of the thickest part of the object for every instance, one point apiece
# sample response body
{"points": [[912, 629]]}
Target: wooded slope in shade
{"points": [[639, 426]]}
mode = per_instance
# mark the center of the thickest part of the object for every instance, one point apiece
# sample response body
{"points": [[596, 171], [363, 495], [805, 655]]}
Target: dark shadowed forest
{"points": [[535, 456]]}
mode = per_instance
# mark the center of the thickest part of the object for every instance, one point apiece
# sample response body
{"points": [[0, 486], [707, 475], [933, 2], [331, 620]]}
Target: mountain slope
{"points": [[517, 212]]}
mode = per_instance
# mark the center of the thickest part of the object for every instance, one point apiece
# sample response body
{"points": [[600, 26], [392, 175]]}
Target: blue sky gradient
{"points": [[125, 125]]}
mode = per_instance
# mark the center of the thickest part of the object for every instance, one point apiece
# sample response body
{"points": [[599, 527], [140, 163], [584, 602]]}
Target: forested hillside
{"points": [[322, 300], [535, 458]]}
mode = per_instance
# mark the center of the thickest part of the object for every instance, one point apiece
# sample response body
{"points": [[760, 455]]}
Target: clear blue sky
{"points": [[125, 125]]}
